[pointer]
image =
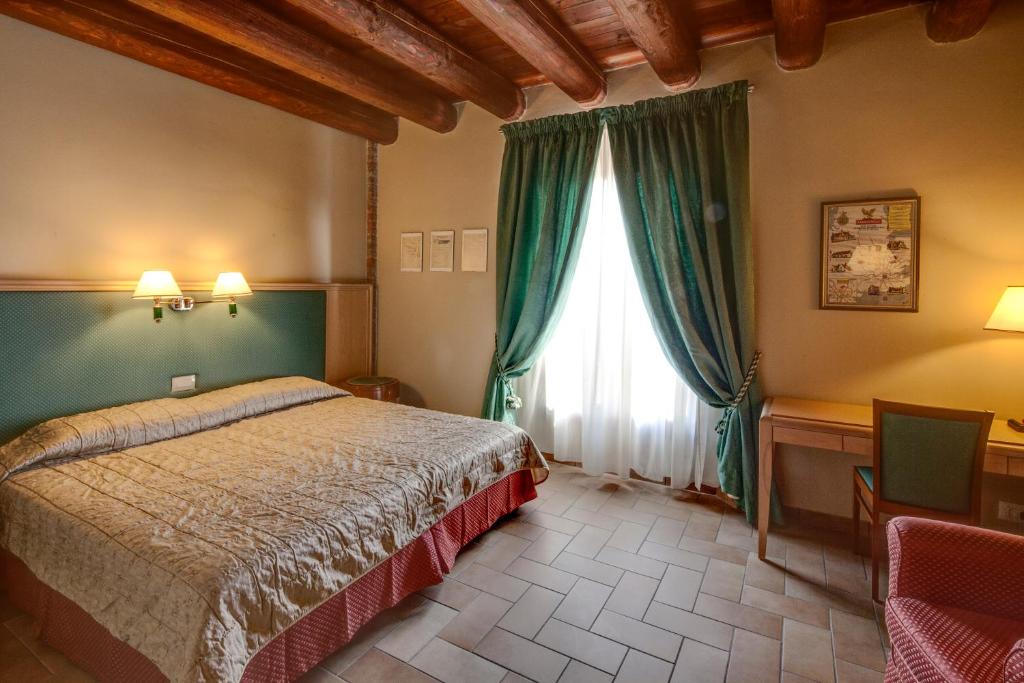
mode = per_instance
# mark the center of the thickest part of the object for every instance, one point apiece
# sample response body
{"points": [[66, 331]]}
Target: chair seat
{"points": [[868, 475], [948, 644]]}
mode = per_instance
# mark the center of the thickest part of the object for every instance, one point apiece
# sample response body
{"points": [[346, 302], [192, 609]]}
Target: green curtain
{"points": [[546, 176], [681, 165]]}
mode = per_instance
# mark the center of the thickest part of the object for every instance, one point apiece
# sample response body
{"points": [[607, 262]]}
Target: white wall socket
{"points": [[183, 383], [1011, 512]]}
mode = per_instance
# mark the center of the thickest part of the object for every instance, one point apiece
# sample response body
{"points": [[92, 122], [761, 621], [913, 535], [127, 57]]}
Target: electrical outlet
{"points": [[183, 383], [1010, 512]]}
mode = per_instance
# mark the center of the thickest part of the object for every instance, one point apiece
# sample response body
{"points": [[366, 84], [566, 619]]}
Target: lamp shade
{"points": [[156, 284], [1009, 313], [230, 285]]}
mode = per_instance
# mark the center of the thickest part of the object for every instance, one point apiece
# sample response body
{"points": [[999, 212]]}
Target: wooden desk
{"points": [[847, 428]]}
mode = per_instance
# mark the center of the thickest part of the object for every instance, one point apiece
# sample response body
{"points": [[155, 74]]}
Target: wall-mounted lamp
{"points": [[1009, 317], [159, 285], [229, 286]]}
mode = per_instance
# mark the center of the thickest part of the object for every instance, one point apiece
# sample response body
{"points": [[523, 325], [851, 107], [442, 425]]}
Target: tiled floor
{"points": [[602, 580]]}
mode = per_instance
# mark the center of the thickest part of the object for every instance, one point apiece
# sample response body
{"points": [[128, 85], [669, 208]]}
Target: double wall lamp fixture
{"points": [[160, 286]]}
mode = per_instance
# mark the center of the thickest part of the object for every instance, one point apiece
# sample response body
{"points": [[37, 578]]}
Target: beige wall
{"points": [[884, 112], [109, 167]]}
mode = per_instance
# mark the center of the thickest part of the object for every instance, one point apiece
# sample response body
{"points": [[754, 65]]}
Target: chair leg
{"points": [[856, 517], [875, 551]]}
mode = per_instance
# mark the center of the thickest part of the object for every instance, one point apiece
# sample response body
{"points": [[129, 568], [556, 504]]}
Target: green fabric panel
{"points": [[927, 462], [682, 165], [67, 352], [546, 176], [868, 475]]}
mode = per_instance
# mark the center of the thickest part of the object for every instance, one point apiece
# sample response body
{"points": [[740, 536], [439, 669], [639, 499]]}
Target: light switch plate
{"points": [[183, 383]]}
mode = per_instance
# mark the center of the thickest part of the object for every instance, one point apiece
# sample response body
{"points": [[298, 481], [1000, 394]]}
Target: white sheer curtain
{"points": [[603, 393]]}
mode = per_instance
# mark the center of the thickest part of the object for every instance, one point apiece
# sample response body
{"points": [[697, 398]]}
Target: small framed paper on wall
{"points": [[412, 252], [442, 251], [474, 250]]}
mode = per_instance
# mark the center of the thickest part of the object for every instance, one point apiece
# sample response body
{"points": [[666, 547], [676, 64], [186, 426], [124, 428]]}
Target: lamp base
{"points": [[1016, 425]]}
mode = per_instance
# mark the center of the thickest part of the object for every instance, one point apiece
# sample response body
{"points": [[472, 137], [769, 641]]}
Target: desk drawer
{"points": [[860, 445], [806, 437]]}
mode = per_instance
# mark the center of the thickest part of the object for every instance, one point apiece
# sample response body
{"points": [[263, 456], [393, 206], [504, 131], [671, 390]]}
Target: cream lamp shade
{"points": [[230, 285], [156, 284], [1009, 313]]}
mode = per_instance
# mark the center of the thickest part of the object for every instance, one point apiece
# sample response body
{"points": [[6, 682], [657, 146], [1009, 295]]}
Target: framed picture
{"points": [[474, 250], [442, 251], [870, 254], [412, 252]]}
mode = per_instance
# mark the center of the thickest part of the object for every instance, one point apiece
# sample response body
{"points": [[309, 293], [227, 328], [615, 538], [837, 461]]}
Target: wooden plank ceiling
{"points": [[357, 65]]}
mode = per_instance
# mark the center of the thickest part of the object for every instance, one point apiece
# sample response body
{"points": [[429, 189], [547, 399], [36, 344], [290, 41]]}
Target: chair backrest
{"points": [[929, 458]]}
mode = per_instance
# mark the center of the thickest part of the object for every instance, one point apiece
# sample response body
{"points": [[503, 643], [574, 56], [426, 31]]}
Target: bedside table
{"points": [[377, 388]]}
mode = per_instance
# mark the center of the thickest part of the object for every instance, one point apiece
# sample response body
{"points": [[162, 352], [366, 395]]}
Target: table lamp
{"points": [[1009, 317]]}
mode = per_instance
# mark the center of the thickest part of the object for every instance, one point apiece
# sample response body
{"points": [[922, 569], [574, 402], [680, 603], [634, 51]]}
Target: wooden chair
{"points": [[927, 463]]}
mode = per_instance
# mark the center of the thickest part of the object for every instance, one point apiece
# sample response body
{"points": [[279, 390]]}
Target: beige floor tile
{"points": [[17, 663], [471, 624], [553, 522], [639, 667], [513, 677], [589, 569], [546, 548], [522, 656], [319, 675], [451, 593], [500, 550], [702, 527], [700, 663], [662, 510], [589, 648], [638, 635], [819, 594], [495, 583], [589, 541], [767, 575], [370, 634], [592, 500], [379, 667], [24, 630], [666, 531], [723, 579], [416, 630], [634, 563], [542, 575], [679, 587], [736, 540], [517, 527], [583, 603], [690, 625], [742, 616], [578, 672], [452, 664], [753, 658], [632, 595], [806, 561], [790, 677], [857, 640], [712, 549], [561, 501], [531, 612], [628, 537], [786, 606], [807, 651], [593, 518], [676, 556], [615, 508], [847, 672]]}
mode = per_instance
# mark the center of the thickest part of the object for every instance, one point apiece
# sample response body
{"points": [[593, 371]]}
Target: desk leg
{"points": [[765, 472]]}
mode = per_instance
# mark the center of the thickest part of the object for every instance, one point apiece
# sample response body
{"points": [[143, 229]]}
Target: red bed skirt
{"points": [[424, 562]]}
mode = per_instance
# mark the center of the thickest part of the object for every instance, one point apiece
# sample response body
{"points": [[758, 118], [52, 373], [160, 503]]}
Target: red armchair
{"points": [[955, 610]]}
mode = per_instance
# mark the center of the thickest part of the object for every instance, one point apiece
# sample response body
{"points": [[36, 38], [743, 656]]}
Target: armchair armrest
{"points": [[1014, 671], [957, 566]]}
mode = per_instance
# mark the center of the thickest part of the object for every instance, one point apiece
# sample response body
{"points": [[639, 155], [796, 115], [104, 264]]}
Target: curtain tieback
{"points": [[748, 379], [512, 401]]}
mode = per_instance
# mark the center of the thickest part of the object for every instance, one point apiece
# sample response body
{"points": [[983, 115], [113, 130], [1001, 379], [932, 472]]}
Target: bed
{"points": [[244, 533]]}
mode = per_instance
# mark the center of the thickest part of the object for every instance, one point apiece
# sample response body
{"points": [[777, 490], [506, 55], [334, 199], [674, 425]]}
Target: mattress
{"points": [[197, 530]]}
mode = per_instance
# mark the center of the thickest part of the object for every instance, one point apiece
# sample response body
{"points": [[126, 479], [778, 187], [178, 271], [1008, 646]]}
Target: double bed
{"points": [[244, 533]]}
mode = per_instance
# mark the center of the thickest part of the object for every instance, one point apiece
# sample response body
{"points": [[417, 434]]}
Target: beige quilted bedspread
{"points": [[198, 529]]}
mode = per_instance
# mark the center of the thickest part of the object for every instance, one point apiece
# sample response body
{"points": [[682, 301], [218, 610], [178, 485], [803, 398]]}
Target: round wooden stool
{"points": [[377, 388]]}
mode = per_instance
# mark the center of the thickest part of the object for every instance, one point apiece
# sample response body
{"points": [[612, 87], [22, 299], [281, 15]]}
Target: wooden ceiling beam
{"points": [[539, 35], [799, 32], [665, 36], [952, 20], [391, 30], [100, 30], [251, 29]]}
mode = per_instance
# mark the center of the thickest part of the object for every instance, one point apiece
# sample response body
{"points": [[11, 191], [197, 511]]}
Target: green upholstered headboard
{"points": [[64, 352]]}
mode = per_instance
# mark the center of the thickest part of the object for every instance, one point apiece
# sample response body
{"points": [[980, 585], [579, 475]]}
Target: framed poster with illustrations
{"points": [[870, 254]]}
